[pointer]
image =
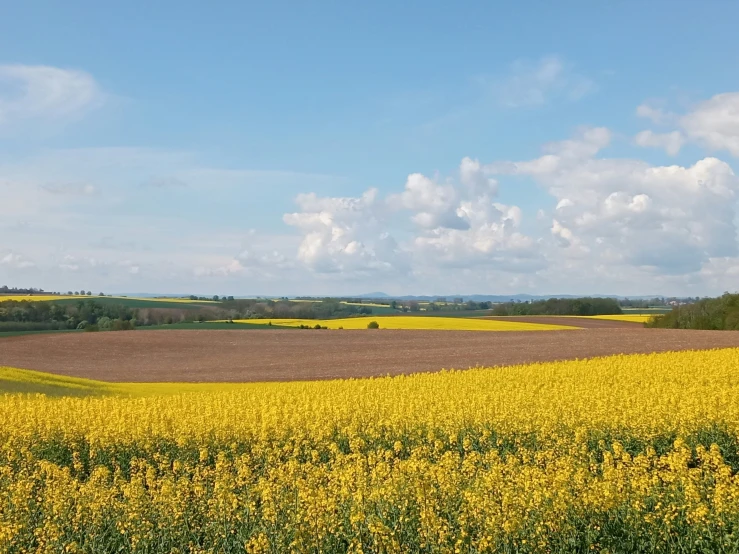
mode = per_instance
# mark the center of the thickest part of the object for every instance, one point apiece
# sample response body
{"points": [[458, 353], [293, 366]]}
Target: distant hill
{"points": [[372, 295]]}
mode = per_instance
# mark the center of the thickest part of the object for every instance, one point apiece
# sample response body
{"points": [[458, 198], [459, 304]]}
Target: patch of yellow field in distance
{"points": [[54, 297], [38, 297], [413, 322], [624, 317]]}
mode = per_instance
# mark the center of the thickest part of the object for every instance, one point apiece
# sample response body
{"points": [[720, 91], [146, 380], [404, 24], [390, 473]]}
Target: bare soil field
{"points": [[582, 322], [286, 355]]}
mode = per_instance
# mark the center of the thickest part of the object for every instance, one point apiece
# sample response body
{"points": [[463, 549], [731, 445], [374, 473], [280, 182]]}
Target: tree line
{"points": [[48, 316], [720, 313], [560, 306], [327, 308], [87, 314]]}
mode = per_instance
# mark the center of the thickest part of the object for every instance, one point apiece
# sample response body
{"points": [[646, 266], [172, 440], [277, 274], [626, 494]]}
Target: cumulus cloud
{"points": [[715, 123], [455, 223], [491, 238], [534, 84], [669, 219], [474, 177], [461, 224], [44, 92], [344, 234], [669, 142], [434, 204]]}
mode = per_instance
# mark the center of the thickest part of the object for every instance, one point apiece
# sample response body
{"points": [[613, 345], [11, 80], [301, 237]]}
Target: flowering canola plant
{"points": [[634, 453], [415, 322]]}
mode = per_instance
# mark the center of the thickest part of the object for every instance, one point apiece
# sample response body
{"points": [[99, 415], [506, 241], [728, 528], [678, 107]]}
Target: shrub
{"points": [[317, 326], [105, 323], [122, 325], [373, 325], [91, 328]]}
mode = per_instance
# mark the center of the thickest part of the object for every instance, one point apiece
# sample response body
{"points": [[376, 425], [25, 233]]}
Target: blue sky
{"points": [[428, 148]]}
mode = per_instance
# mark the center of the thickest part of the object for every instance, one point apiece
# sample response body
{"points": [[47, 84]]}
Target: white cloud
{"points": [[627, 213], [715, 123], [656, 115], [670, 142], [473, 176], [534, 84], [491, 238], [434, 204], [344, 234], [455, 225], [16, 261], [44, 92]]}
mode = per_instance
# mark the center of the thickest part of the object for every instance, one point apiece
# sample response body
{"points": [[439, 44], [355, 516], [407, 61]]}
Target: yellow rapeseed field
{"points": [[639, 318], [414, 322], [52, 297], [631, 453], [37, 297]]}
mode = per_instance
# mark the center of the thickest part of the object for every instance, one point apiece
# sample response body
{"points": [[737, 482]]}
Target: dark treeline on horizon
{"points": [[560, 306]]}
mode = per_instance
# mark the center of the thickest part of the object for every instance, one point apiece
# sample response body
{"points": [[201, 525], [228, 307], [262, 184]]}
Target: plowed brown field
{"points": [[284, 355]]}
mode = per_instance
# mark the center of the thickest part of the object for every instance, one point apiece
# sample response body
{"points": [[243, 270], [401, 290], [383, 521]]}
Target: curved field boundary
{"points": [[287, 355]]}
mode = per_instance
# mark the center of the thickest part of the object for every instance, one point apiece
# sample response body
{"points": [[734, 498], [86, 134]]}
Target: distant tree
{"points": [[414, 306], [89, 293], [215, 298], [373, 325], [394, 305]]}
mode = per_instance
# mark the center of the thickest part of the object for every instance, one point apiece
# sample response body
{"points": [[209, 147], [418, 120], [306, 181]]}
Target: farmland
{"points": [[298, 354], [414, 322], [626, 453], [451, 433], [129, 302]]}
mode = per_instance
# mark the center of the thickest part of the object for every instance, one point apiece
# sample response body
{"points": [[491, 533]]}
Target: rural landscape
{"points": [[369, 277], [367, 425]]}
